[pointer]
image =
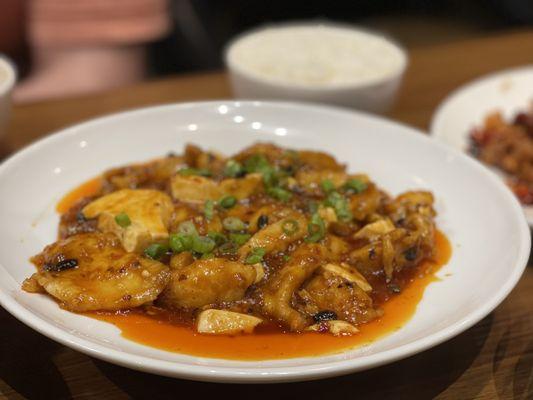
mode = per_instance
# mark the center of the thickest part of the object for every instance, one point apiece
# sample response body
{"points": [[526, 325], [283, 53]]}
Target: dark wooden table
{"points": [[492, 360]]}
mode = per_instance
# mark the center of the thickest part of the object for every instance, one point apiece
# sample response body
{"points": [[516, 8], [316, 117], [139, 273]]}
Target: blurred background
{"points": [[68, 48]]}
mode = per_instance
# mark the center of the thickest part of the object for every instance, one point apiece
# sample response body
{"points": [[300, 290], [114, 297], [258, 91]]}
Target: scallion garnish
{"points": [[279, 193], [186, 240], [187, 228], [209, 209], [233, 169], [227, 201], [228, 248], [327, 185], [123, 220], [233, 224], [175, 244], [355, 186], [239, 238], [218, 237], [203, 244], [340, 205], [156, 250], [179, 242], [255, 256], [316, 229], [256, 163]]}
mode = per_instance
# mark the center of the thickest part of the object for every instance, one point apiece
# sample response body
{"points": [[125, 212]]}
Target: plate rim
{"points": [[438, 115], [464, 87], [275, 373]]}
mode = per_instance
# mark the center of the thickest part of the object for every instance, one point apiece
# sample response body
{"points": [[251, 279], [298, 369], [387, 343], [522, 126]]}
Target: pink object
{"points": [[94, 22], [87, 46]]}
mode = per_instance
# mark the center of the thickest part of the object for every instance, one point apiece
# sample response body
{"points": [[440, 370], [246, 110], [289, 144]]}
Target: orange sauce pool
{"points": [[89, 188], [162, 334]]}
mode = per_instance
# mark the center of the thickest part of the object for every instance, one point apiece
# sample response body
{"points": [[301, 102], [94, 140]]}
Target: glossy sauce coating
{"points": [[161, 332], [165, 329]]}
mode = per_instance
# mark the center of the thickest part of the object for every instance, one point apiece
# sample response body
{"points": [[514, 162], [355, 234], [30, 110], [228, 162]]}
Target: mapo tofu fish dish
{"points": [[269, 237]]}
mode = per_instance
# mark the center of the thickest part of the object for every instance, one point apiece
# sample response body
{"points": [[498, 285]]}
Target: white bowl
{"points": [[7, 82], [508, 91], [374, 95], [483, 221]]}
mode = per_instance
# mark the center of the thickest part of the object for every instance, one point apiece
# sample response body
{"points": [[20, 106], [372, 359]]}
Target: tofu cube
{"points": [[222, 322], [149, 212]]}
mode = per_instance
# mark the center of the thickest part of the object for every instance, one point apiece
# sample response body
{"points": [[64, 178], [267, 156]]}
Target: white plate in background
{"points": [[509, 92], [491, 243]]}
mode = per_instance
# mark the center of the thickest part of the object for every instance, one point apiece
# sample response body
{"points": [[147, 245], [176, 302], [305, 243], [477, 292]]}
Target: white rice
{"points": [[318, 55]]}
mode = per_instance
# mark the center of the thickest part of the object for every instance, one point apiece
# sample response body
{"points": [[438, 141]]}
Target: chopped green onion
{"points": [[355, 186], [175, 244], [227, 201], [194, 171], [187, 228], [209, 209], [218, 237], [274, 177], [286, 258], [123, 220], [316, 229], [279, 194], [315, 233], [327, 185], [255, 256], [179, 242], [203, 244], [186, 240], [256, 163], [233, 169], [290, 227], [156, 250], [239, 238], [340, 205], [228, 248], [186, 234], [233, 224], [271, 177]]}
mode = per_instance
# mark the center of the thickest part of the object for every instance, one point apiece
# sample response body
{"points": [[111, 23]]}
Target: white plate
{"points": [[482, 219], [508, 91]]}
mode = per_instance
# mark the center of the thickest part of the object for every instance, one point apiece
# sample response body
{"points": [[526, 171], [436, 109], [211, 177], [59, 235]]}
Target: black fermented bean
{"points": [[262, 221], [325, 315], [61, 265], [410, 254], [80, 217]]}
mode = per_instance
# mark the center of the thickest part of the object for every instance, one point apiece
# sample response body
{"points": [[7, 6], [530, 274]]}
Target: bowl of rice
{"points": [[317, 62]]}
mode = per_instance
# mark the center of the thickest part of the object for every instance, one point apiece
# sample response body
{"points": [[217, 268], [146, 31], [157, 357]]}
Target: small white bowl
{"points": [[375, 93], [7, 82]]}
